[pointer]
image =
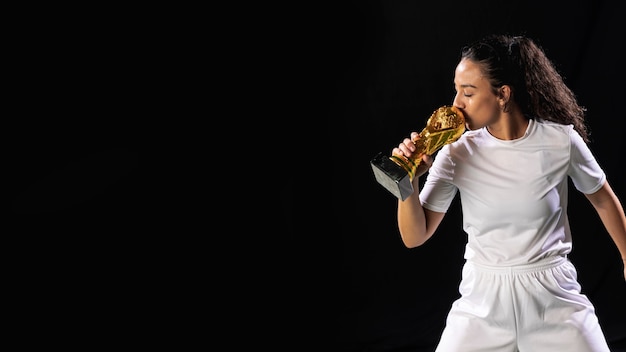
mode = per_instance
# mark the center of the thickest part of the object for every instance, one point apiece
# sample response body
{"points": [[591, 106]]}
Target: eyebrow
{"points": [[467, 85]]}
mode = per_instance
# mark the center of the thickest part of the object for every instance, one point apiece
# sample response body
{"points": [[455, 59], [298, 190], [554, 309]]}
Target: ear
{"points": [[504, 93]]}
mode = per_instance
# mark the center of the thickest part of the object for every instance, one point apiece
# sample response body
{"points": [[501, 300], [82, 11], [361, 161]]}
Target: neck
{"points": [[510, 126]]}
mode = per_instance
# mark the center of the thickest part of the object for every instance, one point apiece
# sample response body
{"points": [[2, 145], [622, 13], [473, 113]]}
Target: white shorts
{"points": [[528, 308]]}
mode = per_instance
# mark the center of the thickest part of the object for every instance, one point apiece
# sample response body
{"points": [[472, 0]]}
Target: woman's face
{"points": [[474, 96]]}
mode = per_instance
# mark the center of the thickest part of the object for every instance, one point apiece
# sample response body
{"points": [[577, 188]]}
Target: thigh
{"points": [[465, 333], [483, 318], [557, 316]]}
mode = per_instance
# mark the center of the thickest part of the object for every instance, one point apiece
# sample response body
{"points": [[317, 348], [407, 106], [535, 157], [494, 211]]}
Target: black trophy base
{"points": [[392, 176]]}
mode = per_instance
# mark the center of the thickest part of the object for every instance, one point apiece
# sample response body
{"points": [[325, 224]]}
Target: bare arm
{"points": [[612, 215], [416, 224]]}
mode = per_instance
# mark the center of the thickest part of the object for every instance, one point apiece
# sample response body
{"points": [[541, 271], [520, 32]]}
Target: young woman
{"points": [[525, 137]]}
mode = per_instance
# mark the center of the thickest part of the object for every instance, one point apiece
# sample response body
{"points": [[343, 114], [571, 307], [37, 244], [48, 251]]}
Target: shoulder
{"points": [[553, 127], [553, 131], [556, 135]]}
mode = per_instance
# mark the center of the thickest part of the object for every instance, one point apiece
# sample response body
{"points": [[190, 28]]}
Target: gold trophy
{"points": [[396, 172]]}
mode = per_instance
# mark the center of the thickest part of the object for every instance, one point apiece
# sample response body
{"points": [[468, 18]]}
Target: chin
{"points": [[471, 126]]}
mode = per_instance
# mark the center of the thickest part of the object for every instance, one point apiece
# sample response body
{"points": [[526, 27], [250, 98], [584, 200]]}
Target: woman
{"points": [[525, 137]]}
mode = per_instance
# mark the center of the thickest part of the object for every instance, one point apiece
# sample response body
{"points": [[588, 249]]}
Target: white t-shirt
{"points": [[513, 193]]}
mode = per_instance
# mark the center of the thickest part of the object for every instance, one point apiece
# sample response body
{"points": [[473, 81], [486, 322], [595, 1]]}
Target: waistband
{"points": [[543, 264]]}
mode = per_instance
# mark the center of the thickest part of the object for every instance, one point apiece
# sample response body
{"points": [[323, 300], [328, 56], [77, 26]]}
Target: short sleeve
{"points": [[438, 190], [584, 170]]}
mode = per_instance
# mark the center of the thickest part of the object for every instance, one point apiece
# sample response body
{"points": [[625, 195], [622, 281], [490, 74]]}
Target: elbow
{"points": [[410, 245], [413, 241]]}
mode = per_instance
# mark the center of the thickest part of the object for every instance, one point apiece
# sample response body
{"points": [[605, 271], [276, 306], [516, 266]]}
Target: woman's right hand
{"points": [[407, 147]]}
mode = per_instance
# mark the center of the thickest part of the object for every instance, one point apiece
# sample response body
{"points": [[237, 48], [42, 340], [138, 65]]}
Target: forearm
{"points": [[614, 221], [412, 220], [611, 213]]}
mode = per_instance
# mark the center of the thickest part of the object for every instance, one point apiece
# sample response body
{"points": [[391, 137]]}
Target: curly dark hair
{"points": [[537, 87]]}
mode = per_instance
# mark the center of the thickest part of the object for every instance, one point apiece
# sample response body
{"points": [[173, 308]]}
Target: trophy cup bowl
{"points": [[396, 172]]}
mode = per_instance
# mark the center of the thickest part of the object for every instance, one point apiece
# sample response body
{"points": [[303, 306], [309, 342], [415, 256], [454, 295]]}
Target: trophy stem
{"points": [[410, 164], [407, 164]]}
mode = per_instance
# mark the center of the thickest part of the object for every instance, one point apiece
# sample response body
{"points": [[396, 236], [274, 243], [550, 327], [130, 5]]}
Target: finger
{"points": [[427, 159], [410, 145]]}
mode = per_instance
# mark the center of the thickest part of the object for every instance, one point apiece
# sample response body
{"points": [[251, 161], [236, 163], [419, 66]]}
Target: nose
{"points": [[457, 101]]}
